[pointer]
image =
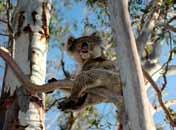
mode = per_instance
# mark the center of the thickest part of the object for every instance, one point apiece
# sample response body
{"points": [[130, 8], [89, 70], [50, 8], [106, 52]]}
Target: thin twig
{"points": [[173, 18], [166, 68], [66, 73], [159, 95], [3, 21], [170, 27], [4, 34]]}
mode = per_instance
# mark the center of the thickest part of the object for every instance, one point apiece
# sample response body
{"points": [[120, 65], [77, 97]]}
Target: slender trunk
{"points": [[138, 115], [30, 27]]}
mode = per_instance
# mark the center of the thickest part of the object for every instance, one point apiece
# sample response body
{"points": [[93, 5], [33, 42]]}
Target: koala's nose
{"points": [[84, 45]]}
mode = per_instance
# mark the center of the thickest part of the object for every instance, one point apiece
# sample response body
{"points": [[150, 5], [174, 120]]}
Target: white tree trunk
{"points": [[138, 115], [30, 26]]}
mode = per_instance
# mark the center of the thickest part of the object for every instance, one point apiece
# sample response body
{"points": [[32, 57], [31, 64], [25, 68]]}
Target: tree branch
{"points": [[167, 104], [3, 34], [135, 97], [172, 19], [171, 70], [27, 84], [159, 95], [157, 70], [3, 21], [170, 27], [148, 26]]}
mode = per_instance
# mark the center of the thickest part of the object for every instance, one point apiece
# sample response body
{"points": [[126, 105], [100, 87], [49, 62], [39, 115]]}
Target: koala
{"points": [[98, 80]]}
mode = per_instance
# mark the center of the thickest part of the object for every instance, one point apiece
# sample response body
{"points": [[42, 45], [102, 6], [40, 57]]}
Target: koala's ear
{"points": [[70, 40], [70, 44]]}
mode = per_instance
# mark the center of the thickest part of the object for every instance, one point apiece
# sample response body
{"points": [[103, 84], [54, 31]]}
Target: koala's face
{"points": [[84, 48], [82, 51]]}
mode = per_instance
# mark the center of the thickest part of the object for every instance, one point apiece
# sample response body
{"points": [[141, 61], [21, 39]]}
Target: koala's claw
{"points": [[66, 104], [52, 80]]}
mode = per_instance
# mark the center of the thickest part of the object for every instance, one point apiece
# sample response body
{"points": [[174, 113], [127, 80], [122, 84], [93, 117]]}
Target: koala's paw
{"points": [[72, 104]]}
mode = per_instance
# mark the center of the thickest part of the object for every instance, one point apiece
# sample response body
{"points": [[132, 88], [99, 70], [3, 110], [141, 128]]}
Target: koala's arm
{"points": [[94, 79]]}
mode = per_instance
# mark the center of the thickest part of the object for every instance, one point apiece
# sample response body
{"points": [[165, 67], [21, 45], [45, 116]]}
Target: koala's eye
{"points": [[84, 45]]}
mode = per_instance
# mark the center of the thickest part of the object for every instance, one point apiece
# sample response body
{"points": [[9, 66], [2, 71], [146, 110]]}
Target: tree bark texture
{"points": [[138, 115], [30, 22]]}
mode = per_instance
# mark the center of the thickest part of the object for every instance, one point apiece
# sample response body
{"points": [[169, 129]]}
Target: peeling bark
{"points": [[30, 26]]}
